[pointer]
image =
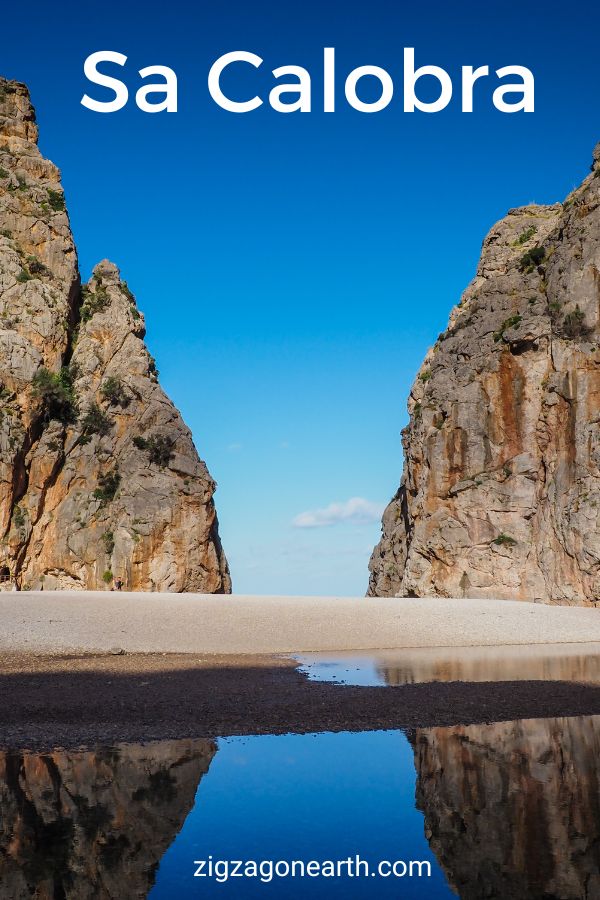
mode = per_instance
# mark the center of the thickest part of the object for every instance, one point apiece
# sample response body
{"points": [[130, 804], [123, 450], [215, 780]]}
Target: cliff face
{"points": [[94, 825], [513, 809], [99, 477], [500, 494]]}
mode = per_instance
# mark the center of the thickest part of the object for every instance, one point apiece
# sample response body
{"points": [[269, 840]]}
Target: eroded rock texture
{"points": [[94, 825], [513, 809], [500, 494], [99, 477]]}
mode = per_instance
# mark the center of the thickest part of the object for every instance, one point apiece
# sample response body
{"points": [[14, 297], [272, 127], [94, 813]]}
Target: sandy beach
{"points": [[88, 668], [67, 622]]}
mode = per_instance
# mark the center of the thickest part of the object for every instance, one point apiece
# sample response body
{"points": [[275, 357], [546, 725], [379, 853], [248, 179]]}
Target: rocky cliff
{"points": [[500, 494], [94, 825], [513, 809], [99, 477]]}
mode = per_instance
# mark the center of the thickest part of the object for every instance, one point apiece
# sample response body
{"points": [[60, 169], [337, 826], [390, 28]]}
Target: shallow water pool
{"points": [[508, 810], [556, 662], [505, 810]]}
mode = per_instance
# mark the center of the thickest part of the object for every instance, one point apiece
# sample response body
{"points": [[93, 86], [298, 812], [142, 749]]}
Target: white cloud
{"points": [[234, 448], [357, 511]]}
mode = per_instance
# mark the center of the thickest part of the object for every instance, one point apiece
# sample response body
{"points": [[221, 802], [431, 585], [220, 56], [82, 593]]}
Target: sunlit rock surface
{"points": [[99, 477], [500, 494]]}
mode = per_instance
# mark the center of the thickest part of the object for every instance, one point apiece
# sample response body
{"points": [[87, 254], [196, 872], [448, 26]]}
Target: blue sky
{"points": [[294, 269]]}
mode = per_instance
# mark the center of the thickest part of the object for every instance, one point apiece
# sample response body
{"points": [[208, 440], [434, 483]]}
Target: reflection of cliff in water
{"points": [[93, 825], [513, 810], [516, 663]]}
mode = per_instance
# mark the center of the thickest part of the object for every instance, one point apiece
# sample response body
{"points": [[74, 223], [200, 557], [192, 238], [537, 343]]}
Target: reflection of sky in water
{"points": [[560, 662], [505, 810], [343, 669], [326, 796]]}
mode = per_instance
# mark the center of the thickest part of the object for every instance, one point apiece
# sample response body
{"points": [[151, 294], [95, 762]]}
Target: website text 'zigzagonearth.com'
{"points": [[222, 870]]}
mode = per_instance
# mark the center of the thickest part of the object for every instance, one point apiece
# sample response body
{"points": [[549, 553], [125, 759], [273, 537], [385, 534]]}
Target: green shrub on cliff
{"points": [[525, 236], [574, 324], [36, 267], [108, 539], [532, 259], [512, 322], [113, 391], [56, 201], [56, 394], [94, 421], [18, 518], [504, 540], [160, 448], [93, 302], [108, 485]]}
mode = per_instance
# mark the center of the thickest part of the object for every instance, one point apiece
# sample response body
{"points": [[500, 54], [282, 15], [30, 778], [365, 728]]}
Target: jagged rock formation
{"points": [[513, 809], [94, 825], [500, 494], [99, 477]]}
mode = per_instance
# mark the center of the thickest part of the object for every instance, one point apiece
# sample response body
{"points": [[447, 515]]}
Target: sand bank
{"points": [[64, 622], [90, 700]]}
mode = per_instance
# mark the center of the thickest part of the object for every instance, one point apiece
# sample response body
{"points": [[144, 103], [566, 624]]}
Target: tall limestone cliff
{"points": [[99, 477], [500, 494]]}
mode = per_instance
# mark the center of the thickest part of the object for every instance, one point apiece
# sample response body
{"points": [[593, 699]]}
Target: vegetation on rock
{"points": [[526, 417], [93, 302], [108, 539], [94, 421], [108, 485], [74, 369], [56, 200], [113, 391], [574, 324], [55, 392], [532, 259], [504, 540], [160, 448]]}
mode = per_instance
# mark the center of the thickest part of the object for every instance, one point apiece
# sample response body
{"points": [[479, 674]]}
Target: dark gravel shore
{"points": [[48, 702]]}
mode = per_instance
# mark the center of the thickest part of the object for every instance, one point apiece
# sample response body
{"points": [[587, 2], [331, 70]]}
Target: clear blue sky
{"points": [[294, 269]]}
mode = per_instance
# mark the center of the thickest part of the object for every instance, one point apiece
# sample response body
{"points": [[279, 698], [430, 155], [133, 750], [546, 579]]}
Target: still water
{"points": [[558, 662], [510, 810]]}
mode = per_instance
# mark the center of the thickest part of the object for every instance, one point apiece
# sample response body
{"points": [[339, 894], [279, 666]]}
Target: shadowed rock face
{"points": [[513, 809], [94, 825], [500, 494], [98, 472]]}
